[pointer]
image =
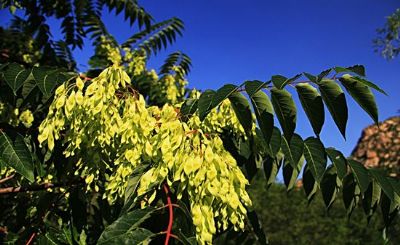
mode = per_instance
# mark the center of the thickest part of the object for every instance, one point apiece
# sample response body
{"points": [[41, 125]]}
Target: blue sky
{"points": [[232, 41]]}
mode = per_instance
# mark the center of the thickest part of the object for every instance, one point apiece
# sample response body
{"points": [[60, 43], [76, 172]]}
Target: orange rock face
{"points": [[379, 146]]}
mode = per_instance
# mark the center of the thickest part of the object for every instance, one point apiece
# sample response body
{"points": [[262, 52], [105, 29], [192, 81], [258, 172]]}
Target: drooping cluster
{"points": [[13, 116], [106, 126]]}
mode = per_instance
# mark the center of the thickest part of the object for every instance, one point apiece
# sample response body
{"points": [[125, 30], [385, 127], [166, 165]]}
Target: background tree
{"points": [[388, 41]]}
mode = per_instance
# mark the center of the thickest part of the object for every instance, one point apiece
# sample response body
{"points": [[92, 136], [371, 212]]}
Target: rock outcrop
{"points": [[379, 146]]}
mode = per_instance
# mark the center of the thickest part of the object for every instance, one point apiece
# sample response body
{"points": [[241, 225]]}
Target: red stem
{"points": [[171, 214], [31, 239]]}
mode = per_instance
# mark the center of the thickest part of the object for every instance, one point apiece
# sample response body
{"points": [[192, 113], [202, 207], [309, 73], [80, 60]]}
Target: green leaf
{"points": [[312, 104], [186, 240], [362, 95], [389, 210], [357, 69], [371, 198], [28, 86], [254, 86], [275, 143], [335, 100], [278, 81], [15, 76], [285, 111], [370, 84], [264, 113], [271, 167], [329, 186], [382, 180], [242, 110], [125, 230], [189, 107], [310, 77], [360, 173], [310, 186], [338, 160], [351, 193], [323, 74], [15, 154], [48, 78], [204, 103], [291, 173], [294, 150], [222, 93], [257, 227], [314, 152]]}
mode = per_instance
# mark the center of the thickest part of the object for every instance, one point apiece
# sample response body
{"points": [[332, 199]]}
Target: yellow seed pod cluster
{"points": [[168, 89], [108, 128], [136, 61], [106, 48], [197, 164], [26, 118]]}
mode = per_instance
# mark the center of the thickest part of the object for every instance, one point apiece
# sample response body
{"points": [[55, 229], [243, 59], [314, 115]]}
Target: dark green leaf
{"points": [[275, 143], [285, 110], [278, 81], [338, 160], [242, 110], [253, 87], [309, 184], [314, 152], [357, 69], [383, 181], [371, 198], [186, 240], [389, 210], [189, 107], [323, 74], [312, 105], [271, 167], [48, 78], [15, 154], [362, 95], [360, 173], [335, 100], [294, 150], [28, 86], [290, 174], [222, 93], [370, 84], [310, 77], [125, 230], [257, 227], [15, 76], [264, 113], [351, 193], [329, 186], [204, 103]]}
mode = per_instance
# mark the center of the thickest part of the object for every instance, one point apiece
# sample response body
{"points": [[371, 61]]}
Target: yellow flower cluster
{"points": [[106, 125]]}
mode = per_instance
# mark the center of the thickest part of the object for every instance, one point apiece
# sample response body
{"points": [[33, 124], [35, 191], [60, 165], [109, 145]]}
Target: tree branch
{"points": [[45, 186], [6, 179], [171, 214]]}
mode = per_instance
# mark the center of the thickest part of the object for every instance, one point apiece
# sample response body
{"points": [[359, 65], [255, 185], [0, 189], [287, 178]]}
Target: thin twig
{"points": [[40, 187], [31, 238], [171, 214], [6, 179]]}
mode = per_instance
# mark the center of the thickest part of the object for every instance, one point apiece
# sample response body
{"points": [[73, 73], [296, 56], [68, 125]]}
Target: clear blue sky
{"points": [[230, 41]]}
